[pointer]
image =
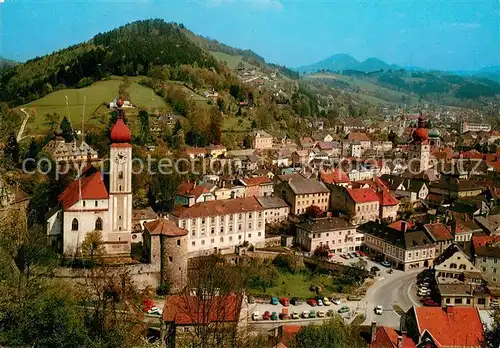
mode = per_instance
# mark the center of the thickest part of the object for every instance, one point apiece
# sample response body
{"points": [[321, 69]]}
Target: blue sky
{"points": [[434, 34]]}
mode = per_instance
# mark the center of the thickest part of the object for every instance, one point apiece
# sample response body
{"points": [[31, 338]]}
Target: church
{"points": [[98, 202]]}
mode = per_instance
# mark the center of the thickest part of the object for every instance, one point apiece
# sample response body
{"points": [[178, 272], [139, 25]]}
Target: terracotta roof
{"points": [[255, 181], [488, 246], [386, 198], [195, 151], [439, 231], [363, 195], [120, 133], [398, 225], [454, 326], [222, 207], [191, 310], [92, 187], [387, 337], [334, 177], [184, 187], [164, 227], [324, 145], [288, 334], [357, 136]]}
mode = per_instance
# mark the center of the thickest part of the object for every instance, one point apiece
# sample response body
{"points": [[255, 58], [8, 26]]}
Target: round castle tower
{"points": [[169, 248]]}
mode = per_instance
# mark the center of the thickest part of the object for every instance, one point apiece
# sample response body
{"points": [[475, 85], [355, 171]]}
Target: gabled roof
{"points": [[191, 310], [439, 232], [216, 208], [255, 181], [453, 327], [90, 184], [398, 225], [336, 176], [324, 145], [363, 195], [387, 199], [307, 186], [488, 246], [358, 136], [164, 227], [387, 337]]}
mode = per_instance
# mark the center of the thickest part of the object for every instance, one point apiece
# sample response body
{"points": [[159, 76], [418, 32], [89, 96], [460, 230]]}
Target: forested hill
{"points": [[128, 50]]}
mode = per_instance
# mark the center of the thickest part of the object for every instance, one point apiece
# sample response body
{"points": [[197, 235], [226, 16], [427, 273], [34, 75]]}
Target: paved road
{"points": [[21, 130], [398, 288]]}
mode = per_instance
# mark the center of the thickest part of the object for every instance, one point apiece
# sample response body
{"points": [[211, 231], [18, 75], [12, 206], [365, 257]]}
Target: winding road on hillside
{"points": [[25, 121]]}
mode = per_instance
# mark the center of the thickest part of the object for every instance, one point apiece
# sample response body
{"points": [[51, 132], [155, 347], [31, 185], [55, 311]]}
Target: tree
{"points": [[322, 251], [492, 334], [51, 120], [314, 211], [92, 245], [215, 127], [11, 150], [67, 130], [293, 263], [330, 334], [163, 189], [360, 264], [144, 132]]}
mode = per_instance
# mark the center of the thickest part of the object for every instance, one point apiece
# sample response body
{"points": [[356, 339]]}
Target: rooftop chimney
{"points": [[403, 226], [400, 341], [373, 331]]}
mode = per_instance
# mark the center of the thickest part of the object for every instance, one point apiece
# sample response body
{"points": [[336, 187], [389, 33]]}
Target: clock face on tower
{"points": [[121, 157]]}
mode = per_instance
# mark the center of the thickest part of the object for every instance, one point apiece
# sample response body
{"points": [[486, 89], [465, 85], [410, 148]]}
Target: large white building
{"points": [[89, 204], [221, 225], [474, 127]]}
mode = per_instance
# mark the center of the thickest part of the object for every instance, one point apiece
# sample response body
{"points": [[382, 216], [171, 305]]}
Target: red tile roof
{"points": [[454, 326], [336, 176], [222, 207], [90, 184], [439, 231], [386, 198], [486, 245], [164, 227], [363, 195], [288, 336], [188, 188], [387, 337], [358, 136], [398, 225], [195, 150], [191, 310], [256, 181], [324, 145]]}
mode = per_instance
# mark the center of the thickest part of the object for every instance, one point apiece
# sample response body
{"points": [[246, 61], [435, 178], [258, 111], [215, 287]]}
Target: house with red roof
{"points": [[259, 186], [448, 327], [388, 337], [361, 204], [283, 336], [184, 315], [441, 235], [190, 193], [335, 177], [389, 205], [94, 202]]}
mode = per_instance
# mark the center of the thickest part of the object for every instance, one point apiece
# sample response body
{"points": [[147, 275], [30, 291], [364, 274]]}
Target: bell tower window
{"points": [[98, 224], [120, 175], [74, 225]]}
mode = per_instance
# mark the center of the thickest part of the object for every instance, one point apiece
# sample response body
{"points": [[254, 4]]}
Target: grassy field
{"points": [[297, 285], [232, 61]]}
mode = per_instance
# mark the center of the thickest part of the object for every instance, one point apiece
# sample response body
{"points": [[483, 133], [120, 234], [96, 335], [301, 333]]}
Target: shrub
{"points": [[163, 289]]}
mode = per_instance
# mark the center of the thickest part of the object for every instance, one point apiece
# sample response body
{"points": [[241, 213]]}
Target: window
{"points": [[203, 221], [230, 238], [185, 329], [249, 215], [212, 241], [259, 234], [239, 237], [178, 242], [170, 258], [448, 300], [193, 243], [249, 225], [119, 217], [74, 225], [260, 224], [230, 217], [222, 239], [222, 230], [494, 270], [96, 203], [239, 227], [120, 175], [193, 234], [468, 301], [458, 301], [240, 216], [83, 203], [98, 224], [453, 265], [249, 235], [212, 230], [203, 242], [120, 188], [260, 214]]}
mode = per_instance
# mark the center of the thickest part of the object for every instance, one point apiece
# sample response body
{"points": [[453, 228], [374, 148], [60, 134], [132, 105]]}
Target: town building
{"points": [[257, 186], [275, 209], [440, 234], [216, 150], [486, 252], [474, 127], [361, 204], [355, 149], [448, 327], [455, 188], [190, 193], [419, 149], [139, 218], [76, 151], [221, 225], [12, 198], [338, 234], [88, 204], [303, 193], [389, 206], [405, 250], [335, 177], [260, 140], [405, 187]]}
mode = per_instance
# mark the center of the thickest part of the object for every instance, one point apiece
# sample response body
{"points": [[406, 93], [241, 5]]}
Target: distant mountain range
{"points": [[342, 62]]}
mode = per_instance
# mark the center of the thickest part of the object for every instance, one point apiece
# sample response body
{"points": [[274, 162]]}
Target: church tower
{"points": [[419, 149], [120, 187]]}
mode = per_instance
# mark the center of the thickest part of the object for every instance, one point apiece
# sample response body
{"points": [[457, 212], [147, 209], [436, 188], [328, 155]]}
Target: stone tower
{"points": [[169, 250], [419, 149]]}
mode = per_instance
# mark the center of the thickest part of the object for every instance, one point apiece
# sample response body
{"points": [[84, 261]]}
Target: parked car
{"points": [[274, 316], [343, 256], [312, 313], [386, 263], [343, 309], [326, 301], [312, 302], [256, 316], [305, 314], [284, 301], [336, 301], [354, 298], [320, 314], [378, 310], [431, 303], [330, 313], [266, 315], [353, 255], [295, 301], [319, 302], [284, 316], [295, 315], [155, 311], [362, 253], [274, 301]]}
